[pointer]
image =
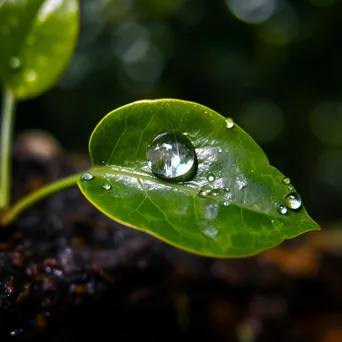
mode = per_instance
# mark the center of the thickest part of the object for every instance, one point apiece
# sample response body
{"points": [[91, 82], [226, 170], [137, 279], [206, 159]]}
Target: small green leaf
{"points": [[37, 39], [232, 203]]}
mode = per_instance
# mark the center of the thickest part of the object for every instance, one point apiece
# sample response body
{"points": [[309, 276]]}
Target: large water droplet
{"points": [[15, 63], [211, 178], [87, 176], [282, 209], [106, 186], [172, 156], [286, 180], [229, 123], [293, 201]]}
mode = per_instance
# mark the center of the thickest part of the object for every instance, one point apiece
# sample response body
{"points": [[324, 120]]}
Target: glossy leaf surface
{"points": [[37, 39], [230, 208]]}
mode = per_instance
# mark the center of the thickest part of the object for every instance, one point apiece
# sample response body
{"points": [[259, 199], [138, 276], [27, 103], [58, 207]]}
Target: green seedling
{"points": [[174, 169]]}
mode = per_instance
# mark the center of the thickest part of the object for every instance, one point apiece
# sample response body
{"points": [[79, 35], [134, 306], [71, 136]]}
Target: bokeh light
{"points": [[282, 28], [262, 119], [253, 11], [326, 123]]}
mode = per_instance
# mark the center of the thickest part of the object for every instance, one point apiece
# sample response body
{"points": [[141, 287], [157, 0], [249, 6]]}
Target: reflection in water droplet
{"points": [[15, 63], [286, 180], [229, 123], [215, 192], [211, 178], [226, 204], [220, 150], [204, 193], [172, 156], [290, 187], [87, 176], [293, 201], [106, 186], [282, 209]]}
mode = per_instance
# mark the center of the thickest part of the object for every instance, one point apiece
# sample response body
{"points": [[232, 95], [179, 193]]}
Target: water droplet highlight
{"points": [[220, 150], [106, 186], [15, 63], [293, 201], [226, 204], [171, 156], [204, 193], [211, 178], [286, 180], [229, 123], [282, 209], [87, 176]]}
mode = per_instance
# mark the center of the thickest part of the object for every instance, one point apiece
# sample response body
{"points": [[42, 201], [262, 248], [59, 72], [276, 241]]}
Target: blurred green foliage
{"points": [[272, 65]]}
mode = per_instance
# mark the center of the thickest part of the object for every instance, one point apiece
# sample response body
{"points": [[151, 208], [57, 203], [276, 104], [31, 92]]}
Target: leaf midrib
{"points": [[122, 171]]}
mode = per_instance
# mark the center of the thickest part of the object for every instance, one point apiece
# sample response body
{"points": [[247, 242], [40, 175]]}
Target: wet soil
{"points": [[68, 273]]}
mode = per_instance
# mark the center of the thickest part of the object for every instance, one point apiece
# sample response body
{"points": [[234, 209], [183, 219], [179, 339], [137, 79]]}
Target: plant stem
{"points": [[8, 109], [32, 198]]}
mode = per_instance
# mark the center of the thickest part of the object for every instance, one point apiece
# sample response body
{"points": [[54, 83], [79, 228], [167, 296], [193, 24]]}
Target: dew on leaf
{"points": [[87, 176], [211, 178], [293, 201], [282, 209], [106, 186], [220, 150], [226, 203], [204, 193], [171, 156], [286, 180], [229, 123]]}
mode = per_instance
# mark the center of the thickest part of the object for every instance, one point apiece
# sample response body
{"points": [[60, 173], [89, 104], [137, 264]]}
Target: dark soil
{"points": [[68, 273]]}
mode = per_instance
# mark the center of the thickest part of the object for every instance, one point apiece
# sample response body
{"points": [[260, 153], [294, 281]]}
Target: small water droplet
{"points": [[233, 165], [211, 178], [220, 150], [293, 201], [171, 156], [204, 193], [87, 176], [229, 123], [106, 186], [226, 189], [286, 180], [215, 192], [252, 170], [15, 63], [290, 187], [282, 209], [226, 204]]}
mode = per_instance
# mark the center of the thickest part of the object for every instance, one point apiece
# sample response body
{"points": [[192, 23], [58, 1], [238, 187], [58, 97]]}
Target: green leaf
{"points": [[37, 39], [229, 209]]}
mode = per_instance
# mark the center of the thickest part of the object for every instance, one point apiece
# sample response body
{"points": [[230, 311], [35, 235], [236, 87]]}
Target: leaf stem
{"points": [[32, 198], [7, 124]]}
